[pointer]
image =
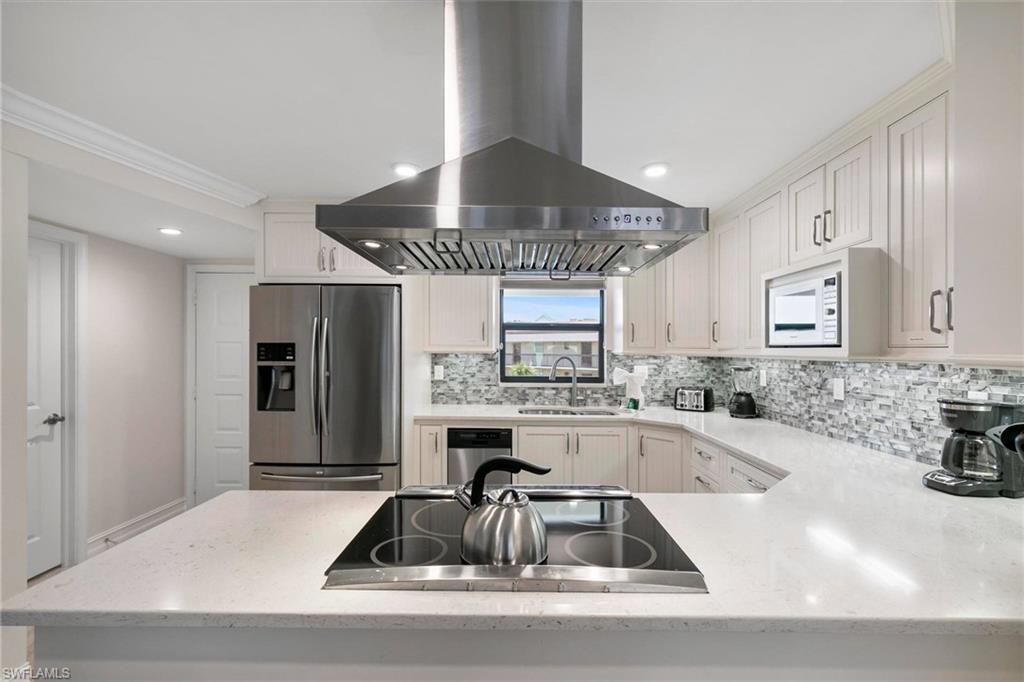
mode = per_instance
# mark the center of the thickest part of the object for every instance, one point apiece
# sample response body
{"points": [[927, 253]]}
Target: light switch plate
{"points": [[438, 372], [839, 389], [764, 377]]}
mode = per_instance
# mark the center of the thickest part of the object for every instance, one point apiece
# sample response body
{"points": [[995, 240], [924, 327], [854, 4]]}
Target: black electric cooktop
{"points": [[610, 545]]}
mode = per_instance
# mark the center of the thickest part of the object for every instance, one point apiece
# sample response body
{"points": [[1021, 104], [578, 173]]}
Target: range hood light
{"points": [[170, 231], [405, 170], [624, 268], [655, 170], [371, 244], [650, 247], [401, 267]]}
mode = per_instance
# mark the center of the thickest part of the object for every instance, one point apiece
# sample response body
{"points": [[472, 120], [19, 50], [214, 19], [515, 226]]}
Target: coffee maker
{"points": [[975, 459], [742, 404]]}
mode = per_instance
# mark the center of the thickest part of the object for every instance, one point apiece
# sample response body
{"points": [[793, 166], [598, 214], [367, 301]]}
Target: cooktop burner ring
{"points": [[606, 505], [414, 520], [643, 564], [442, 547]]}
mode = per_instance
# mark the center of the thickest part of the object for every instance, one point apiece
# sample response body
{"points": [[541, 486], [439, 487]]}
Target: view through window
{"points": [[539, 326]]}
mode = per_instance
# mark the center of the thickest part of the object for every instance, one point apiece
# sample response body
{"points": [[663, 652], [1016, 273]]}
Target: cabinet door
{"points": [[847, 216], [661, 461], [806, 205], [461, 313], [763, 226], [644, 292], [548, 446], [599, 456], [291, 246], [432, 462], [731, 279], [688, 297], [344, 263], [917, 227]]}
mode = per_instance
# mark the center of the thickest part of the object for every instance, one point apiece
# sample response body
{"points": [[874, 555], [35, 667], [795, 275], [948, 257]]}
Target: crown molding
{"points": [[32, 114]]}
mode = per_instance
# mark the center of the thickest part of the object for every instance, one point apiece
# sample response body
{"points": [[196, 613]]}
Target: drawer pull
{"points": [[706, 458], [705, 484], [754, 484]]}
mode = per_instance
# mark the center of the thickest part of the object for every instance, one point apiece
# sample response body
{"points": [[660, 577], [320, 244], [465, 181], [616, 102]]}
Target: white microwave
{"points": [[805, 312]]}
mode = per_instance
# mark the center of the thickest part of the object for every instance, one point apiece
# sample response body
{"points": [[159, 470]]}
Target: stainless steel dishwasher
{"points": [[468, 448]]}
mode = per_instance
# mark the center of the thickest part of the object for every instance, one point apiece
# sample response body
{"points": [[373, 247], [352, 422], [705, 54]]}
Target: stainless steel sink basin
{"points": [[567, 411]]}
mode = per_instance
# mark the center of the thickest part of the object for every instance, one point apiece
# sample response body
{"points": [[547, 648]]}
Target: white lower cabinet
{"points": [[431, 456], [580, 455], [661, 460]]}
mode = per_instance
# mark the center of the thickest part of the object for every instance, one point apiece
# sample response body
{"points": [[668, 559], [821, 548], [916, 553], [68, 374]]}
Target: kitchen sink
{"points": [[567, 411]]}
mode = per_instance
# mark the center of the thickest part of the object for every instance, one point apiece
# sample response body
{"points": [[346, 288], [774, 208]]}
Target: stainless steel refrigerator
{"points": [[325, 370]]}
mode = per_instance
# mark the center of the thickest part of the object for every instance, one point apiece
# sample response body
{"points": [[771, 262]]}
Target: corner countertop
{"points": [[849, 542]]}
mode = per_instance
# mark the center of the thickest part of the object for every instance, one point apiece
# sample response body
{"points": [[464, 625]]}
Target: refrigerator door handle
{"points": [[325, 377], [318, 479], [313, 397]]}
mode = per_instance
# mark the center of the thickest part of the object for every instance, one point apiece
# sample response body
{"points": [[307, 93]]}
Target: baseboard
{"points": [[132, 527]]}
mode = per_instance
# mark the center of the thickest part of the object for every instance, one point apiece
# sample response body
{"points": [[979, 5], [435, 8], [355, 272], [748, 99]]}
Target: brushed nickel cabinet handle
{"points": [[567, 438], [755, 485], [824, 225], [333, 252], [436, 450], [931, 311], [668, 332], [714, 331], [320, 259], [632, 332], [577, 443], [642, 453], [705, 484], [814, 232], [949, 309], [483, 331]]}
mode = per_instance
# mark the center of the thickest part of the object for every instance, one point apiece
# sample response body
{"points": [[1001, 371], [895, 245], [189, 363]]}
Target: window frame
{"points": [[598, 327]]}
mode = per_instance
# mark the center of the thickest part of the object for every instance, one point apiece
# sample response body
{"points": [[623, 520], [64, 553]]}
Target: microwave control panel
{"points": [[830, 312]]}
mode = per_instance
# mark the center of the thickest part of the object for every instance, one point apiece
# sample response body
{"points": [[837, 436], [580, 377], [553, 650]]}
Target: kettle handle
{"points": [[513, 465]]}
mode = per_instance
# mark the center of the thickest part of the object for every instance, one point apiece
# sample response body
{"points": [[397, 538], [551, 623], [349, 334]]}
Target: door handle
{"points": [[949, 309], [54, 418], [814, 232], [325, 373], [931, 311], [824, 225], [330, 479], [314, 402]]}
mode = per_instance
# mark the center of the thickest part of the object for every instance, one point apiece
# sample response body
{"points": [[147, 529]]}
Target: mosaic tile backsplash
{"points": [[889, 406]]}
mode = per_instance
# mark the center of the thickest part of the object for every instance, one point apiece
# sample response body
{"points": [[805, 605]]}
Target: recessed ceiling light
{"points": [[404, 170], [650, 247], [370, 244], [401, 267], [655, 170], [170, 231], [624, 268]]}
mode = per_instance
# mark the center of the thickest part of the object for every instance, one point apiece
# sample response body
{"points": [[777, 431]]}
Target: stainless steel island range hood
{"points": [[512, 196]]}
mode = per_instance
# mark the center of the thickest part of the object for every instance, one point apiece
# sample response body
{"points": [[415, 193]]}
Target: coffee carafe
{"points": [[973, 462]]}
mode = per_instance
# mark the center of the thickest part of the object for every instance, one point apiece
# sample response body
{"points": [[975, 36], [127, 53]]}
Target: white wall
{"points": [[135, 382], [13, 390], [988, 172]]}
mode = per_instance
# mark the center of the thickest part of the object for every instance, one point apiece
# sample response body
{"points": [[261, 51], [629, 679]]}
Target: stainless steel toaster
{"points": [[695, 398]]}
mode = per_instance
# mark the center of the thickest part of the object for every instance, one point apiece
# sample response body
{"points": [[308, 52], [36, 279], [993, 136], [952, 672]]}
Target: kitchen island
{"points": [[848, 568]]}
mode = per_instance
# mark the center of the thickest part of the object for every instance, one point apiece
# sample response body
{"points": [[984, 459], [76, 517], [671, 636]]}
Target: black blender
{"points": [[742, 405]]}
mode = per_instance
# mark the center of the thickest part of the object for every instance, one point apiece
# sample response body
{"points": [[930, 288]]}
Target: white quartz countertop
{"points": [[849, 541]]}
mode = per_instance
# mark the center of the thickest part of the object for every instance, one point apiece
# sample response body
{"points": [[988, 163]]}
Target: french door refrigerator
{"points": [[325, 378]]}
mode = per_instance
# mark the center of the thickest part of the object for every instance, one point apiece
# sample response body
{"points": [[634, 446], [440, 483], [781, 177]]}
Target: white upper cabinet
{"points": [[917, 227], [644, 296], [830, 207], [688, 297], [764, 244], [806, 205], [846, 219], [461, 313], [731, 279], [291, 249]]}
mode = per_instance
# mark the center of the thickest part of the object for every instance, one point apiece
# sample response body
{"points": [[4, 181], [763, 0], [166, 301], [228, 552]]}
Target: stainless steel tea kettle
{"points": [[503, 527]]}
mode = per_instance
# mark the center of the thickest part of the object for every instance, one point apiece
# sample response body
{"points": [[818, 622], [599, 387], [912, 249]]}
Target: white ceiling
{"points": [[319, 99], [64, 198]]}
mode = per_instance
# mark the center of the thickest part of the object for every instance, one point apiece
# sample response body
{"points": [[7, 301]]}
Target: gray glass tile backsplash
{"points": [[889, 406]]}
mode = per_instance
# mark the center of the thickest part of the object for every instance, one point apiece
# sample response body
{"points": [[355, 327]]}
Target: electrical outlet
{"points": [[438, 372], [764, 377], [839, 389], [977, 395]]}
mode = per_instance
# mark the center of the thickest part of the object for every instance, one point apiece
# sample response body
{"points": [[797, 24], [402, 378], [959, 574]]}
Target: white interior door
{"points": [[222, 383], [45, 398]]}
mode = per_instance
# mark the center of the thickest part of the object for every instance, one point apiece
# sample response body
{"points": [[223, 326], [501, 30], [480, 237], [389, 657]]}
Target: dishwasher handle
{"points": [[364, 478]]}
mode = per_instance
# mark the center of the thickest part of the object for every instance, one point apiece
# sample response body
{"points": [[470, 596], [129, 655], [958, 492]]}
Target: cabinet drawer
{"points": [[746, 478], [705, 457], [702, 482]]}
